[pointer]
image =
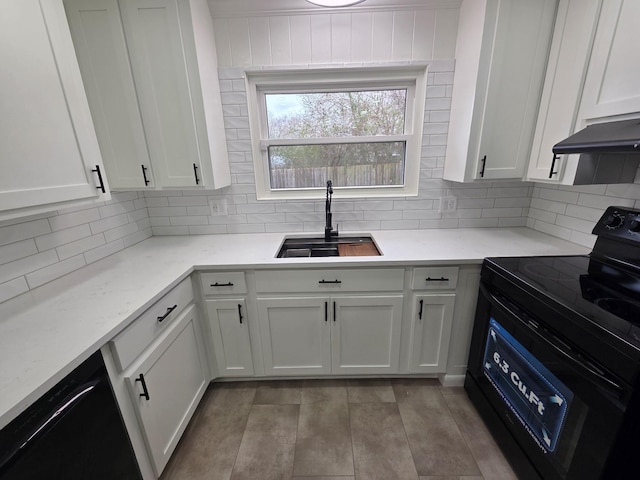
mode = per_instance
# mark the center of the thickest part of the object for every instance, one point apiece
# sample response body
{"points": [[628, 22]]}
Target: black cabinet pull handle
{"points": [[326, 311], [553, 165], [336, 281], [441, 279], [169, 310], [334, 311], [240, 313], [228, 284], [195, 173], [420, 312], [145, 392], [144, 175], [101, 186], [484, 164]]}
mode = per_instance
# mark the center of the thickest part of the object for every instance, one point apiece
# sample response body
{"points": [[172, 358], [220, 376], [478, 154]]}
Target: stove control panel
{"points": [[619, 223]]}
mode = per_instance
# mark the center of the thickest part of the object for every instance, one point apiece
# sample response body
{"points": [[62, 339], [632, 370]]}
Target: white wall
{"points": [[36, 250]]}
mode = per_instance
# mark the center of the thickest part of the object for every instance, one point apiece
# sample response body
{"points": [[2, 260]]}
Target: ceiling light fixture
{"points": [[335, 3]]}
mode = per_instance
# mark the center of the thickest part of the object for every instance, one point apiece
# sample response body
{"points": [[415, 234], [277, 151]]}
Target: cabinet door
{"points": [[365, 334], [612, 84], [104, 62], [295, 335], [48, 144], [230, 334], [173, 377], [518, 60], [153, 33], [570, 48], [431, 332]]}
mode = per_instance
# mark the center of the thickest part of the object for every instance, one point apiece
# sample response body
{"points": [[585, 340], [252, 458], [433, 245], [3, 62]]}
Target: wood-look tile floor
{"points": [[337, 430]]}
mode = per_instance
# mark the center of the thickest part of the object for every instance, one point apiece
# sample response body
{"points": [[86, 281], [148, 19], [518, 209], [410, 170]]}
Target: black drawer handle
{"points": [[169, 310], [228, 284], [336, 281], [145, 392], [420, 312], [240, 313], [441, 279]]}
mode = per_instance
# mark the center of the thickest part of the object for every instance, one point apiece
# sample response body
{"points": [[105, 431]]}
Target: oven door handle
{"points": [[590, 372]]}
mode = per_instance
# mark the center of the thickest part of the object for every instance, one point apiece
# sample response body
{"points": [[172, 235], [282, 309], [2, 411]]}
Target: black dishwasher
{"points": [[74, 431]]}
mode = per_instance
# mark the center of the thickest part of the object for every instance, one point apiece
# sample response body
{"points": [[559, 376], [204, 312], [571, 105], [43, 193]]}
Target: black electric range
{"points": [[554, 364]]}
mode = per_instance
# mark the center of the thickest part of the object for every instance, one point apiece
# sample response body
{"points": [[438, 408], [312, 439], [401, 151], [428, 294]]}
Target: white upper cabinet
{"points": [[48, 145], [151, 73], [501, 55], [591, 77], [612, 84]]}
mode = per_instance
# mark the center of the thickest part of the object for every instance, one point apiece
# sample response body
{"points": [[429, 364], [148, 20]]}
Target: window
{"points": [[358, 127]]}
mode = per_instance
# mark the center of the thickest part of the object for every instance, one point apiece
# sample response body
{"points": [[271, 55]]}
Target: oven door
{"points": [[562, 410]]}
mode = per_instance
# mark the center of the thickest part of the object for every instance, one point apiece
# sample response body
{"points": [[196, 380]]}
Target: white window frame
{"points": [[260, 82]]}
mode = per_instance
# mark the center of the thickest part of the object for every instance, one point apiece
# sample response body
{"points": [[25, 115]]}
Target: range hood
{"points": [[609, 152]]}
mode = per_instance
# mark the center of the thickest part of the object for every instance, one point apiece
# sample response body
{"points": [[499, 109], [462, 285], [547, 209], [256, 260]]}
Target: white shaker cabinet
{"points": [[592, 77], [342, 321], [501, 55], [166, 386], [432, 318], [48, 148], [612, 83], [226, 306], [151, 72]]}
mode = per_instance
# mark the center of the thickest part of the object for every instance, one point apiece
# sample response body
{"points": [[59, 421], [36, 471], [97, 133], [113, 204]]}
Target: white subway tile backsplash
{"points": [[13, 288], [57, 270], [245, 228], [120, 232], [68, 220], [399, 224], [17, 268], [512, 222], [80, 246], [23, 230], [559, 195], [17, 250], [103, 251], [60, 237], [478, 222], [603, 201]]}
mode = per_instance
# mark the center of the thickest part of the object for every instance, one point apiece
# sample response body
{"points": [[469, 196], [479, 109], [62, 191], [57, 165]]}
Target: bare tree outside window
{"points": [[344, 136]]}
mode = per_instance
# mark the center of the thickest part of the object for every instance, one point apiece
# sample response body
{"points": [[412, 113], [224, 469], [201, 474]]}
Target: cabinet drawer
{"points": [[223, 283], [434, 278], [323, 281], [137, 336]]}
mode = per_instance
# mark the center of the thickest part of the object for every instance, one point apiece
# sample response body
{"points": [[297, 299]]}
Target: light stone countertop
{"points": [[46, 333]]}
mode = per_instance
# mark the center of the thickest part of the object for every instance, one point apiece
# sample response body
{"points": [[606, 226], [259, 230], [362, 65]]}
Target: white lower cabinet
{"points": [[431, 332], [230, 336], [166, 385], [296, 338], [365, 334], [339, 335]]}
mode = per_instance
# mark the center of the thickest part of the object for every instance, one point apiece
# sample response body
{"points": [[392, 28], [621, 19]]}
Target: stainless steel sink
{"points": [[318, 247]]}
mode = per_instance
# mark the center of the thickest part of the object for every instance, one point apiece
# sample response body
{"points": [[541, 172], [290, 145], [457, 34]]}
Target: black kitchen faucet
{"points": [[328, 228]]}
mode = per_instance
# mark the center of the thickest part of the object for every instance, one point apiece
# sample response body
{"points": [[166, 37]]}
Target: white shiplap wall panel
{"points": [[223, 47], [382, 37], [300, 27], [446, 31], [326, 37], [320, 39], [279, 32], [403, 27], [361, 36], [240, 41], [260, 40], [423, 34], [341, 37]]}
